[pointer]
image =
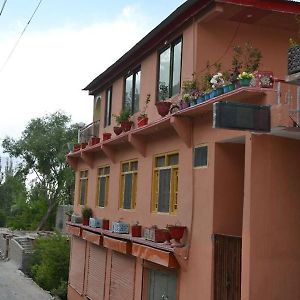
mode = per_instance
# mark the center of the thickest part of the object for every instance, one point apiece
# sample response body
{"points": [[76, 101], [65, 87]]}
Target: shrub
{"points": [[49, 265]]}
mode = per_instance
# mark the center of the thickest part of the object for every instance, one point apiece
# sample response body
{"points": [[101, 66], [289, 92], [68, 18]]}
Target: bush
{"points": [[49, 265], [2, 218]]}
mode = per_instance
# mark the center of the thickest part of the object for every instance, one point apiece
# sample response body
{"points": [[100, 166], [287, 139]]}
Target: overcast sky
{"points": [[67, 44]]}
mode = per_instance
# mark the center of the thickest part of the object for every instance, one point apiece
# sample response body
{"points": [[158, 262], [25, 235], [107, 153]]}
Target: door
{"points": [[227, 267], [161, 285]]}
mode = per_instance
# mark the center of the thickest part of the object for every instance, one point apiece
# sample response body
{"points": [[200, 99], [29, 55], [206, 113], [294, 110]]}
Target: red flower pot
{"points": [[163, 107], [142, 121], [76, 147], [136, 230], [126, 125], [83, 145], [106, 136], [85, 221], [94, 141], [105, 224], [176, 232], [117, 130]]}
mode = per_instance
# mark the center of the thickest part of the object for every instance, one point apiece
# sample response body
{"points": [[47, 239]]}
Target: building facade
{"points": [[236, 192]]}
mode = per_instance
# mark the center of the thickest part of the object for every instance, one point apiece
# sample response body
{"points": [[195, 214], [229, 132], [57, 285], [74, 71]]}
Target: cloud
{"points": [[49, 68]]}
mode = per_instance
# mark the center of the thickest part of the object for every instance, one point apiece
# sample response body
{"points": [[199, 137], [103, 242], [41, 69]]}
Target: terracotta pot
{"points": [[85, 221], [106, 136], [136, 230], [83, 145], [76, 147], [126, 125], [117, 130], [105, 224], [163, 107], [142, 121], [176, 232], [93, 141]]}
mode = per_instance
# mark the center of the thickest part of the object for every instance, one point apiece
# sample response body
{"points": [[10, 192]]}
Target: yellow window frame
{"points": [[173, 200], [83, 176], [133, 183], [106, 176]]}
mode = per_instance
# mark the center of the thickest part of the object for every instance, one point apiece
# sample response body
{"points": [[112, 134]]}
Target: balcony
{"points": [[88, 131]]}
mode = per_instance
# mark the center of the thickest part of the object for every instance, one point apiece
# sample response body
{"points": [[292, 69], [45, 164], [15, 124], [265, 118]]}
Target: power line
{"points": [[18, 40], [3, 7]]}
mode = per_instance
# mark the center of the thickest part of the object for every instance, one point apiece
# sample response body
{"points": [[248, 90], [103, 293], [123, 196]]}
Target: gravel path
{"points": [[14, 285]]}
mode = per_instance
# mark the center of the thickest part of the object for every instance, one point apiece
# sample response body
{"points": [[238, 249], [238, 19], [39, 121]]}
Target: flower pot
{"points": [[184, 104], [106, 136], [226, 88], [200, 99], [294, 60], [126, 125], [117, 130], [231, 87], [220, 91], [245, 82], [163, 107], [93, 141], [136, 230], [85, 221], [105, 224], [176, 233], [213, 94], [83, 145], [142, 121], [76, 147], [206, 96]]}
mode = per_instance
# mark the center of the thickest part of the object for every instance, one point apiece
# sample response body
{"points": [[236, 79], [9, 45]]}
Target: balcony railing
{"points": [[88, 131]]}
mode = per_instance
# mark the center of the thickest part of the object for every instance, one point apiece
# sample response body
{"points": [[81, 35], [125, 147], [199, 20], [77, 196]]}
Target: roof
{"points": [[173, 22]]}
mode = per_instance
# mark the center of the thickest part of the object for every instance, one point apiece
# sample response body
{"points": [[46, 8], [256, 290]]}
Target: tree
{"points": [[42, 149]]}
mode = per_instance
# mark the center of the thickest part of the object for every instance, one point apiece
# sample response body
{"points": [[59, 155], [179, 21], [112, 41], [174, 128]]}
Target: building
{"points": [[236, 190]]}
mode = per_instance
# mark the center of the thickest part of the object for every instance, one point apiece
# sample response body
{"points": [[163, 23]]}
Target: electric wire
{"points": [[18, 40], [2, 8]]}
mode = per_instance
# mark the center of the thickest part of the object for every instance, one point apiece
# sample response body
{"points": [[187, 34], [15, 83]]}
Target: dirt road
{"points": [[15, 286]]}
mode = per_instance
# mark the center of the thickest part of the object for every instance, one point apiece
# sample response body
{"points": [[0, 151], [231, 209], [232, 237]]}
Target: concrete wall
{"points": [[4, 245]]}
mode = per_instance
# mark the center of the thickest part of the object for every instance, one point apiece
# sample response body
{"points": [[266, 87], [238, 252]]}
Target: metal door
{"points": [[227, 267], [162, 285]]}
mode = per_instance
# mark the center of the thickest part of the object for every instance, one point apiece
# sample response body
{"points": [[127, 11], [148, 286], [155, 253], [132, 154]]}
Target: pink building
{"points": [[225, 168]]}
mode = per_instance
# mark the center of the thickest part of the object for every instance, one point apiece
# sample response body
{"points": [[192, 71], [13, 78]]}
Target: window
{"points": [[128, 184], [170, 70], [97, 108], [103, 186], [132, 91], [165, 183], [108, 101], [200, 156], [83, 186]]}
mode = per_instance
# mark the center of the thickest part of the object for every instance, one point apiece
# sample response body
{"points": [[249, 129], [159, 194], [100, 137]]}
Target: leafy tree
{"points": [[41, 150], [49, 264]]}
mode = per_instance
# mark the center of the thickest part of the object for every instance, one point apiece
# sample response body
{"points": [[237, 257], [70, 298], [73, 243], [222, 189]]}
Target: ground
{"points": [[14, 285]]}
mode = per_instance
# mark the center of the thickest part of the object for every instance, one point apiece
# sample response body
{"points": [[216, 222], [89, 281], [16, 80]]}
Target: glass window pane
{"points": [[137, 91], [164, 74], [108, 100], [200, 156], [107, 170], [127, 191], [97, 107], [134, 166], [102, 192], [160, 161], [164, 190], [173, 159], [128, 92], [176, 69], [125, 167], [83, 191]]}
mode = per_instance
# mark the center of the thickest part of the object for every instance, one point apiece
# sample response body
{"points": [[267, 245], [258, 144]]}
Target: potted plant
{"points": [[76, 147], [87, 213], [143, 118], [185, 101], [163, 106], [106, 136], [245, 79], [136, 230], [189, 93], [293, 57], [117, 130], [94, 140], [124, 119], [217, 82], [69, 213], [176, 232], [228, 85]]}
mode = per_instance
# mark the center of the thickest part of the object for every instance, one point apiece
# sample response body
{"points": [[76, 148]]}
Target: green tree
{"points": [[42, 149]]}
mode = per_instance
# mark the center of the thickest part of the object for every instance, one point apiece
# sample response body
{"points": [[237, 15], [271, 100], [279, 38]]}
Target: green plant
{"points": [[123, 116], [245, 75], [49, 264], [246, 58], [143, 113], [163, 91], [188, 86], [293, 43], [86, 212]]}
